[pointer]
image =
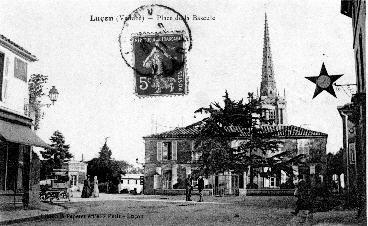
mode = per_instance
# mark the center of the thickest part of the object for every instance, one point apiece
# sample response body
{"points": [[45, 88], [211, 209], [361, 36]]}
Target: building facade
{"points": [[349, 145], [19, 165], [131, 182], [356, 10], [77, 172], [170, 157]]}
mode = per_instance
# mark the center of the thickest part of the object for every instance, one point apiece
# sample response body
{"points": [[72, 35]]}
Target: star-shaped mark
{"points": [[324, 81]]}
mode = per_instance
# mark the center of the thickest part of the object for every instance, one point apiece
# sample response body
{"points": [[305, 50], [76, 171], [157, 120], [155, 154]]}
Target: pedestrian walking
{"points": [[302, 193], [96, 192], [86, 192], [188, 188], [200, 185]]}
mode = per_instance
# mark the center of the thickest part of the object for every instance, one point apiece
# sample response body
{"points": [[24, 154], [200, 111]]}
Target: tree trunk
{"points": [[251, 175]]}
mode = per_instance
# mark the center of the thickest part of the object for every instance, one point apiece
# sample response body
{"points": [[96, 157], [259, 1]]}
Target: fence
{"points": [[225, 185], [207, 192], [224, 192]]}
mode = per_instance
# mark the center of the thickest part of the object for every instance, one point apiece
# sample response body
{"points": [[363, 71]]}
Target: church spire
{"points": [[268, 84]]}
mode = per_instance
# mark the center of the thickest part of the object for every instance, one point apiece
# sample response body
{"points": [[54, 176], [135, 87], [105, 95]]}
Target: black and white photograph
{"points": [[158, 112]]}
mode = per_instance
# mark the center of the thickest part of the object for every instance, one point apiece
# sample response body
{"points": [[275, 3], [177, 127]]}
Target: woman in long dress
{"points": [[95, 187], [86, 188]]}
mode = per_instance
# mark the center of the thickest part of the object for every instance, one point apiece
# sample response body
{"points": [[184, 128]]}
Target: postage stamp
{"points": [[159, 62], [154, 42]]}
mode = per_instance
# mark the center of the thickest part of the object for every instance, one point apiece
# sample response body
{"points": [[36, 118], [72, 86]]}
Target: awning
{"points": [[20, 134]]}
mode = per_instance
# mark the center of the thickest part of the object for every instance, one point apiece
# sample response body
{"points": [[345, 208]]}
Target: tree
{"points": [[105, 168], [55, 156], [335, 165], [225, 124], [101, 166], [35, 88]]}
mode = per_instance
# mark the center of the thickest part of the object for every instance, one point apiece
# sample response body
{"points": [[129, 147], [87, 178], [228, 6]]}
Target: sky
{"points": [[82, 59]]}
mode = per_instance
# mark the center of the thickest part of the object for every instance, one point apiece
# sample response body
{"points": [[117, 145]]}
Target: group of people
{"points": [[88, 190], [189, 188]]}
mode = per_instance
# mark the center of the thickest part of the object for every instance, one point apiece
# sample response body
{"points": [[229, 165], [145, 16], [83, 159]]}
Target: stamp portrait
{"points": [[154, 42], [159, 61]]}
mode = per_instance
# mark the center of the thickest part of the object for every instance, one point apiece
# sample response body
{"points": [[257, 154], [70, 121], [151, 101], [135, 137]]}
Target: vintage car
{"points": [[58, 189]]}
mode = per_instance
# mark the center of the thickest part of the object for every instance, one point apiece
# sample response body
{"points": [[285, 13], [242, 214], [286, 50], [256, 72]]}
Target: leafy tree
{"points": [[35, 88], [105, 168], [56, 155], [238, 119], [335, 165]]}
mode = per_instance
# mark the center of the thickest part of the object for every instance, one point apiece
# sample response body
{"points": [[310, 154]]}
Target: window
{"points": [[136, 181], [128, 181], [20, 69], [352, 152], [166, 151], [281, 117], [303, 147], [272, 116], [272, 182], [74, 180]]}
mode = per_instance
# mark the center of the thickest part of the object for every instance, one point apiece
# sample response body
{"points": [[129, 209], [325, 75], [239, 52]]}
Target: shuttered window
{"points": [[20, 69], [166, 151], [5, 82], [159, 151], [174, 150]]}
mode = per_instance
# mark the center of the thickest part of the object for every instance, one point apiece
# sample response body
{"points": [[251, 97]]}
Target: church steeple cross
{"points": [[268, 84]]}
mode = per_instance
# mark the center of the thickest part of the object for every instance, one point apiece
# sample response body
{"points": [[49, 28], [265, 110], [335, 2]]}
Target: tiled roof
{"points": [[15, 47], [279, 131]]}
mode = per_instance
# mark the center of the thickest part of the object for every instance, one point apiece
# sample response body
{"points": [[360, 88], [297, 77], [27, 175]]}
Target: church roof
{"points": [[277, 131]]}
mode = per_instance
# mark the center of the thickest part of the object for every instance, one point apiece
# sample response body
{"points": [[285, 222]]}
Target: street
{"points": [[116, 209]]}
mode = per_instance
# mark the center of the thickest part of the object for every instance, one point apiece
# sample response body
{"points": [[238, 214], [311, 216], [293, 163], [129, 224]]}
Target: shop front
{"points": [[19, 165]]}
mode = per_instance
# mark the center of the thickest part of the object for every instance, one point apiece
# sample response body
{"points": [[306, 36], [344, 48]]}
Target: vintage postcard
{"points": [[223, 112]]}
